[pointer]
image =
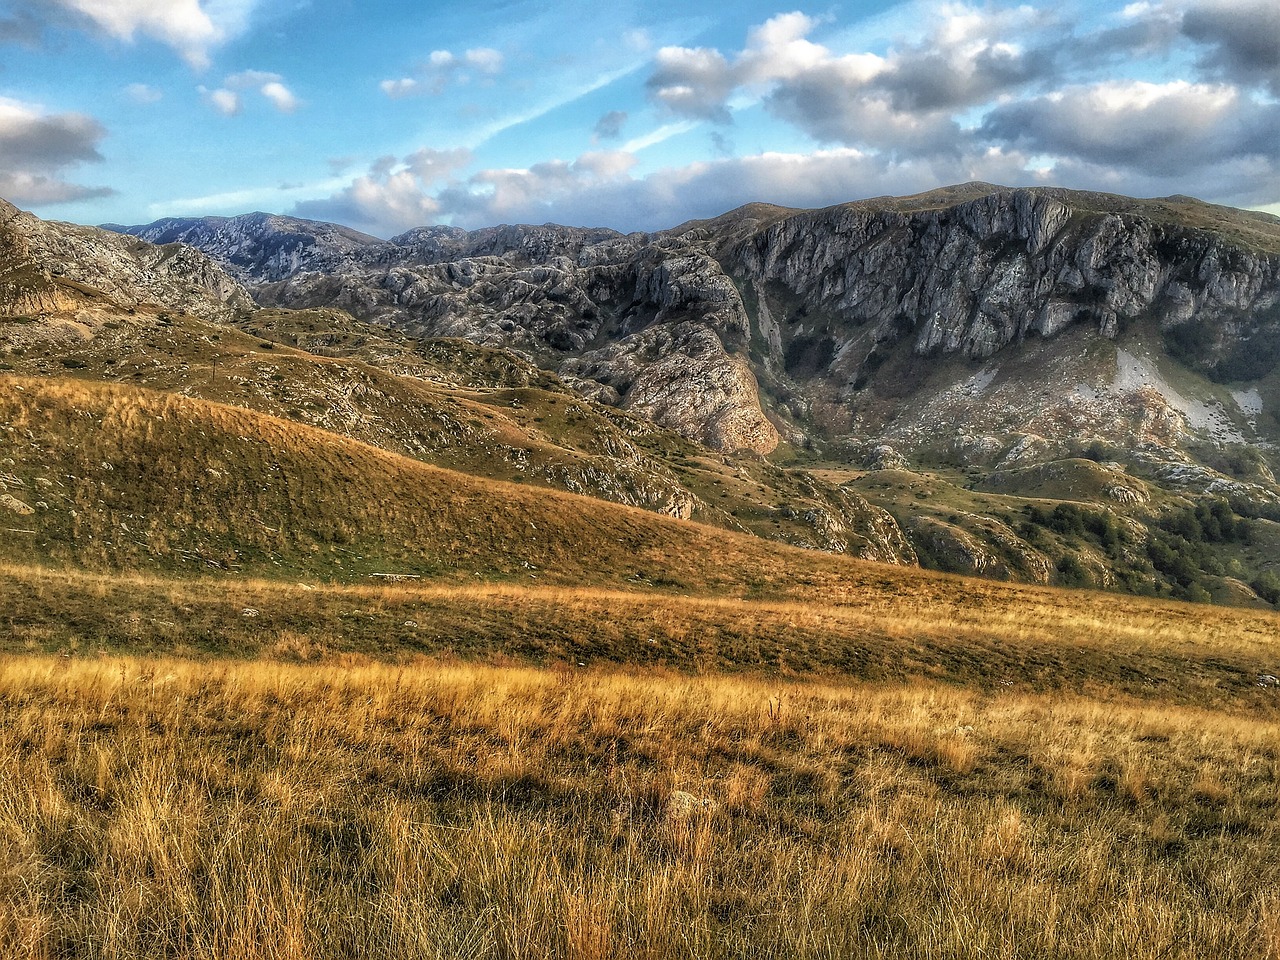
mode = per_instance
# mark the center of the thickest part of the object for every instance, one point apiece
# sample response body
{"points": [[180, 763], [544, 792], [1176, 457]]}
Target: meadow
{"points": [[256, 809], [867, 762]]}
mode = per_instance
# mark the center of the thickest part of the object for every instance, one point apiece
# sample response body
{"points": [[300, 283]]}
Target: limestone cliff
{"points": [[992, 322]]}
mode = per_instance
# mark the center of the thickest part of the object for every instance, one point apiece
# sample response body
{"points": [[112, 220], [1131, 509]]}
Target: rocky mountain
{"points": [[976, 322], [474, 410], [261, 247], [48, 268], [1035, 385]]}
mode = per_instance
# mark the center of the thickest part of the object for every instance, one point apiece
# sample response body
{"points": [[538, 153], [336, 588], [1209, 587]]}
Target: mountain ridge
{"points": [[975, 438], [809, 305]]}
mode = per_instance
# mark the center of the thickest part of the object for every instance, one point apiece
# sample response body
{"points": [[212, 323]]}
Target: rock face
{"points": [[50, 267], [974, 277], [260, 247], [994, 323], [650, 324]]}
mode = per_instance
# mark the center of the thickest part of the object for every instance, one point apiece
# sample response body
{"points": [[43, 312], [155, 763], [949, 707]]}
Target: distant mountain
{"points": [[974, 322], [261, 247]]}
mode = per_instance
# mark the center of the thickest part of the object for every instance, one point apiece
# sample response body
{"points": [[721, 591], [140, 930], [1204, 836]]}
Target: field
{"points": [[165, 808], [868, 762]]}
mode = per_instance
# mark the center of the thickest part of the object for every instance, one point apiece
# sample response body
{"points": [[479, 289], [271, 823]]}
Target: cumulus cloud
{"points": [[191, 27], [393, 196], [1019, 81], [36, 147], [693, 82], [280, 96], [698, 82], [183, 24], [443, 67], [601, 188], [431, 166], [1241, 37], [1196, 126], [228, 100], [906, 96]]}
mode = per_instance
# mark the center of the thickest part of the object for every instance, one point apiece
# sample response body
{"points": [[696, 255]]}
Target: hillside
{"points": [[132, 479], [971, 336]]}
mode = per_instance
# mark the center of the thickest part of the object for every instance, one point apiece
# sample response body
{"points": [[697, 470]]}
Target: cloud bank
{"points": [[37, 148], [1002, 94]]}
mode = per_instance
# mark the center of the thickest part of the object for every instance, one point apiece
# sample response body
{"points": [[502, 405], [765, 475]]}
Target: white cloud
{"points": [[228, 100], [958, 82], [192, 27], [431, 166], [693, 82], [248, 79], [394, 195], [280, 95], [399, 88], [601, 188], [966, 58], [638, 40], [182, 24], [592, 191], [443, 67], [484, 59], [142, 93]]}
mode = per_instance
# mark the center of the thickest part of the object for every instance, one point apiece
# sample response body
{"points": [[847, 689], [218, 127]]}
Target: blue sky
{"points": [[388, 114]]}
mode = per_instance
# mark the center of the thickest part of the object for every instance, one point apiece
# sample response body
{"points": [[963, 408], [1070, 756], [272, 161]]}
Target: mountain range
{"points": [[1036, 384]]}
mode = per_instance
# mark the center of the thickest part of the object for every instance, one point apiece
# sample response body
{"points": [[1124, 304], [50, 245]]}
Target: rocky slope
{"points": [[976, 321], [58, 267], [958, 359], [485, 412]]}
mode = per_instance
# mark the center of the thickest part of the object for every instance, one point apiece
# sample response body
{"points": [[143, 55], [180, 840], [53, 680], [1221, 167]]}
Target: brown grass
{"points": [[132, 479], [872, 623], [162, 808]]}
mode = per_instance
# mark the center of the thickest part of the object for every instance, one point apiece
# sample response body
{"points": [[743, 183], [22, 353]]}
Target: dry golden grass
{"points": [[161, 808], [857, 620], [134, 479]]}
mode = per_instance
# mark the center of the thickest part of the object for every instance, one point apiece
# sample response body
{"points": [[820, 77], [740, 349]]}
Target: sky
{"points": [[390, 114]]}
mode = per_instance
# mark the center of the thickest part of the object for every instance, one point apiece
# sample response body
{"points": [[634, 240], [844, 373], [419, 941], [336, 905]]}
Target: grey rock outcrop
{"points": [[49, 267], [825, 326], [978, 276]]}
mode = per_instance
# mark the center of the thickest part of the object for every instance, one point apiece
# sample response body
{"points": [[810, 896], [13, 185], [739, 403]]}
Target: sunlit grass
{"points": [[163, 808]]}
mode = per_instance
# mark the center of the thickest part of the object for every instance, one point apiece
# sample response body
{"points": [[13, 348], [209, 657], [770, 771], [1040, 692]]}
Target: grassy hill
{"points": [[477, 410], [116, 477]]}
